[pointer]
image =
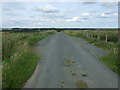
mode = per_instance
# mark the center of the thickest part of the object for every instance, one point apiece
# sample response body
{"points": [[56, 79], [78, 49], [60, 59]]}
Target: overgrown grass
{"points": [[81, 84], [111, 59], [19, 59]]}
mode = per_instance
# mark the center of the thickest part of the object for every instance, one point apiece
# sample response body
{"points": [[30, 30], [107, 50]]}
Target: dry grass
{"points": [[73, 74], [112, 58], [81, 84], [69, 62], [18, 57]]}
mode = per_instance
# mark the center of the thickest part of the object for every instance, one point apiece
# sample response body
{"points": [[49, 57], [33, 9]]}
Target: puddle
{"points": [[84, 75]]}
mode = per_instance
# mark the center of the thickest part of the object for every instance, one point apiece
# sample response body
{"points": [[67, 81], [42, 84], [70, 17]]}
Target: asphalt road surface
{"points": [[68, 62]]}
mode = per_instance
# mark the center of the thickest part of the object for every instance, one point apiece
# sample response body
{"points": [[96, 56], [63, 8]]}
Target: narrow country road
{"points": [[67, 62]]}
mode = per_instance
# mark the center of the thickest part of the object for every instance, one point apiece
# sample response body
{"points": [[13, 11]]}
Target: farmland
{"points": [[66, 57]]}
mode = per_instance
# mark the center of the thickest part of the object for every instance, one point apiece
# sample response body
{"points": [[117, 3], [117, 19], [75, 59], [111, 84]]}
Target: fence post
{"points": [[119, 38], [106, 39], [87, 34], [91, 35], [83, 33], [98, 37]]}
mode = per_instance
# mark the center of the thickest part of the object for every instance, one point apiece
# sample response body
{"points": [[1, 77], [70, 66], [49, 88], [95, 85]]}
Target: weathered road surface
{"points": [[66, 60]]}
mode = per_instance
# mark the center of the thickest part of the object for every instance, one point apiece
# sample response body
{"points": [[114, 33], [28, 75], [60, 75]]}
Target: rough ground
{"points": [[70, 62]]}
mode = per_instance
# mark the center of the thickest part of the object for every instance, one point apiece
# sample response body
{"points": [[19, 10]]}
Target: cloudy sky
{"points": [[60, 14]]}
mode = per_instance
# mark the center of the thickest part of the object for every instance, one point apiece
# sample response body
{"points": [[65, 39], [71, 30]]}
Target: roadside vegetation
{"points": [[18, 57], [106, 39], [81, 84]]}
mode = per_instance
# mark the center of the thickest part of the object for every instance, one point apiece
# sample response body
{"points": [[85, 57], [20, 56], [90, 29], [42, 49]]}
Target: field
{"points": [[18, 57], [106, 39], [65, 59]]}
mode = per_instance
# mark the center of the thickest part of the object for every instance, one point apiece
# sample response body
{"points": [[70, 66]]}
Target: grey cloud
{"points": [[89, 2], [110, 12], [104, 3], [12, 14], [6, 14], [85, 18], [33, 16], [6, 9], [11, 8], [20, 8], [58, 15], [108, 4], [102, 17]]}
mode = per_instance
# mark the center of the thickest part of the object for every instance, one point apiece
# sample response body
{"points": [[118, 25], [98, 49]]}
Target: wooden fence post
{"points": [[91, 35], [86, 34], [106, 38], [83, 33], [98, 37], [119, 37]]}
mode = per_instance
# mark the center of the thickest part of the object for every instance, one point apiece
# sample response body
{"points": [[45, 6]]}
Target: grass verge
{"points": [[111, 59], [18, 57]]}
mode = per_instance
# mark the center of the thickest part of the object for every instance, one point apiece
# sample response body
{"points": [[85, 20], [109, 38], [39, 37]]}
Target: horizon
{"points": [[59, 28]]}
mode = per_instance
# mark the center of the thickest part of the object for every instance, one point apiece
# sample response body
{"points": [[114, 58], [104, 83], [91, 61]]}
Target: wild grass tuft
{"points": [[81, 84]]}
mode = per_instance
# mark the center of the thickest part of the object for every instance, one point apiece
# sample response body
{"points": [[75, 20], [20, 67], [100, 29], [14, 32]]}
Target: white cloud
{"points": [[54, 15], [107, 14], [115, 14], [112, 13], [48, 9], [74, 19], [104, 15], [86, 14], [109, 11], [52, 21]]}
